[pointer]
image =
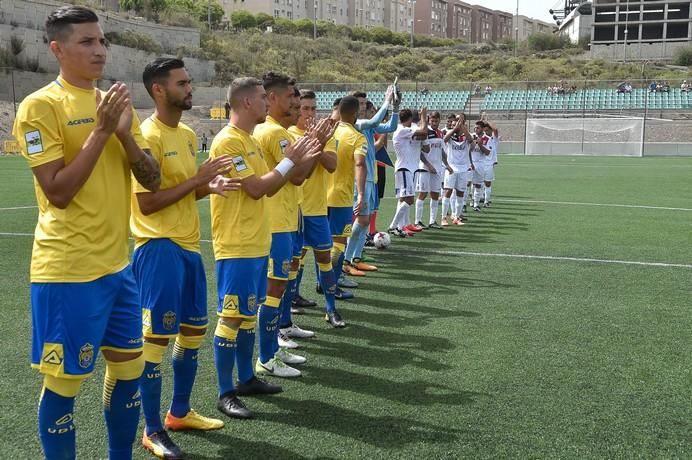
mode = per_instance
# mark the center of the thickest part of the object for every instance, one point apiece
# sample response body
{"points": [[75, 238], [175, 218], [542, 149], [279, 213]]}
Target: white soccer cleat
{"points": [[277, 368], [289, 358], [286, 342], [295, 331]]}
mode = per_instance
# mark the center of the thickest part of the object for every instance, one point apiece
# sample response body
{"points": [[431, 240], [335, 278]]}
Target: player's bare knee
{"points": [[190, 338], [323, 257], [232, 323], [126, 366], [162, 341]]}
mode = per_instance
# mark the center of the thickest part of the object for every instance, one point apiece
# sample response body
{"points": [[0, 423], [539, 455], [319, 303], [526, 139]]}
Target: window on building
{"points": [[604, 33], [605, 14], [653, 13], [677, 31], [652, 31], [679, 10]]}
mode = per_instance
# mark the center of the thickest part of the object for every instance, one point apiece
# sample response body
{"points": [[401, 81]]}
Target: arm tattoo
{"points": [[147, 172]]}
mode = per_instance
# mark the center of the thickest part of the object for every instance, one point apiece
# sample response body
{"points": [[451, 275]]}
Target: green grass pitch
{"points": [[457, 347]]}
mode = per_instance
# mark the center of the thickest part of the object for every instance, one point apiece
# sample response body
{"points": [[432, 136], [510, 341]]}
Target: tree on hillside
{"points": [[241, 20], [264, 20], [304, 26], [547, 41], [148, 8]]}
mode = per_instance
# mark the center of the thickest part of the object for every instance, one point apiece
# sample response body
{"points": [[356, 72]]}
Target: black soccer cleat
{"points": [[230, 405], [257, 386], [334, 319], [301, 302], [162, 446]]}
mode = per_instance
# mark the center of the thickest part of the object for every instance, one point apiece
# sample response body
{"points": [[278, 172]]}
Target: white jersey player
{"points": [[494, 144], [407, 141], [459, 144], [431, 169], [481, 155]]}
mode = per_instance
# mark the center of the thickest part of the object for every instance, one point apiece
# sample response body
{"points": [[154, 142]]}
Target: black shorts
{"points": [[381, 180]]}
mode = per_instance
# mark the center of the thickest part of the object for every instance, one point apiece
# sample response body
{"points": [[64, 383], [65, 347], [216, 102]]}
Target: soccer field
{"points": [[556, 324]]}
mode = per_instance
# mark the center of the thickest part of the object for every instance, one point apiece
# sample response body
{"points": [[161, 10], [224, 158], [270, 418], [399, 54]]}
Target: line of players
{"points": [[450, 163], [266, 176]]}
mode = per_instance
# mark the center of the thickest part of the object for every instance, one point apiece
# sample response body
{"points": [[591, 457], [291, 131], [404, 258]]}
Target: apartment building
{"points": [[525, 26]]}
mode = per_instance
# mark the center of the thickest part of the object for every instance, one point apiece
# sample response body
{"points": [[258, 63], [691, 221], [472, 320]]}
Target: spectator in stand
{"points": [[653, 86], [488, 90], [665, 87], [685, 87]]}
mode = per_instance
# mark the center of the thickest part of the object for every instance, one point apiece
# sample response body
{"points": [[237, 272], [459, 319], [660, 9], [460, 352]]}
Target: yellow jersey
{"points": [[315, 187], [283, 206], [239, 224], [88, 239], [174, 149], [351, 143]]}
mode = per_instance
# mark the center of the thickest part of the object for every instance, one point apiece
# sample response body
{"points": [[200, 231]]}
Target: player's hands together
{"points": [[111, 108], [322, 130], [211, 168], [219, 185], [304, 149]]}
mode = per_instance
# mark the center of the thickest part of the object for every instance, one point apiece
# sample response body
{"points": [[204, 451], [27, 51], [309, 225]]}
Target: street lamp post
{"points": [[516, 31], [314, 23], [413, 18]]}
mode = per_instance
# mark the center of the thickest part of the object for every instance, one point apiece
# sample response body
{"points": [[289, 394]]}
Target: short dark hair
{"points": [[296, 92], [452, 116], [240, 87], [349, 106], [434, 114], [359, 94], [273, 80], [370, 106], [337, 103], [405, 115], [481, 123], [158, 70], [59, 22], [307, 94]]}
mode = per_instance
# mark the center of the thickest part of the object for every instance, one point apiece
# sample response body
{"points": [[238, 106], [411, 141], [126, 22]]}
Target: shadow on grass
{"points": [[413, 393], [233, 447], [381, 431]]}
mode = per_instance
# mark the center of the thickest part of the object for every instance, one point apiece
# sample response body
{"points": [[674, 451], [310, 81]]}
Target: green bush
{"points": [[547, 41], [683, 56], [135, 40]]}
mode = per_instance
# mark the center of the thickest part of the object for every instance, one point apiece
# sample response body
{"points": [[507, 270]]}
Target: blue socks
{"points": [[328, 283], [184, 373], [56, 426], [150, 384], [121, 401], [287, 300], [246, 347], [268, 329], [224, 357], [354, 242]]}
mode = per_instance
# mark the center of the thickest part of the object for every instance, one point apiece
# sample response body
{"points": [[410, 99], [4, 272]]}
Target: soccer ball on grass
{"points": [[381, 240]]}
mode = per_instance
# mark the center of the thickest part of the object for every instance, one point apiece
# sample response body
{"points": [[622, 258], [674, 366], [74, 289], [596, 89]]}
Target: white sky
{"points": [[537, 9]]}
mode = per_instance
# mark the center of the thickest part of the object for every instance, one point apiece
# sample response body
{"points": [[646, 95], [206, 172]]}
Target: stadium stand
{"points": [[434, 100], [591, 99]]}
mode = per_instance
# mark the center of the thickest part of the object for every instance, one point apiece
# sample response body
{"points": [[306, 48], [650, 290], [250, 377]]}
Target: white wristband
{"points": [[284, 166]]}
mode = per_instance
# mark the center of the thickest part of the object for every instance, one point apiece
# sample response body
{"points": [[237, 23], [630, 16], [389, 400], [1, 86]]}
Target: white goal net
{"points": [[585, 136]]}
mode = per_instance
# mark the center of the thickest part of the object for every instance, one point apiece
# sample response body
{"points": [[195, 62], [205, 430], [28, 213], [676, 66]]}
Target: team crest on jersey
{"points": [[86, 355], [239, 163], [192, 150], [252, 302], [34, 143], [285, 267], [168, 320], [283, 143], [230, 303]]}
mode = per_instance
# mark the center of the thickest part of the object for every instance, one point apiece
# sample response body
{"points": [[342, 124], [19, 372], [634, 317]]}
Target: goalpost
{"points": [[585, 136]]}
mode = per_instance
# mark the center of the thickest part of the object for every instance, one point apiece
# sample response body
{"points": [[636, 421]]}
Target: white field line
{"points": [[509, 256], [554, 258], [18, 207], [576, 203]]}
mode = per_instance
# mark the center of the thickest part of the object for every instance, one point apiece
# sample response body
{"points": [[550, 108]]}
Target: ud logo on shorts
{"points": [[86, 355], [285, 267], [252, 302], [168, 320]]}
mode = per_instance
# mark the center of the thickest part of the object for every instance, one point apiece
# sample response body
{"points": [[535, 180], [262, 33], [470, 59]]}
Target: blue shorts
{"points": [[241, 285], [316, 232], [280, 255], [298, 238], [371, 200], [71, 322], [340, 220], [172, 286]]}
